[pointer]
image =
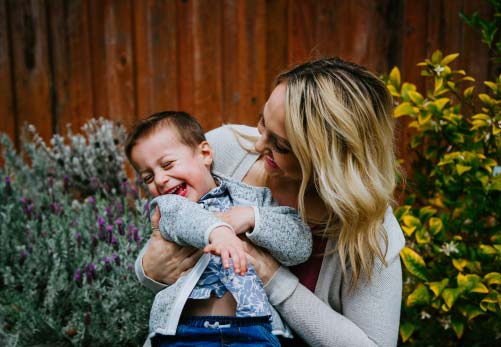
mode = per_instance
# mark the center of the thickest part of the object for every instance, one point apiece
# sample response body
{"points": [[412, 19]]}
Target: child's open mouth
{"points": [[178, 190]]}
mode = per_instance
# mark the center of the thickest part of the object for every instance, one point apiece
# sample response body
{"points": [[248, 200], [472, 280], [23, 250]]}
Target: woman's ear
{"points": [[205, 150]]}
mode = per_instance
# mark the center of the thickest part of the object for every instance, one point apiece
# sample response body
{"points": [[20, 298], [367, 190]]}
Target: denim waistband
{"points": [[223, 321]]}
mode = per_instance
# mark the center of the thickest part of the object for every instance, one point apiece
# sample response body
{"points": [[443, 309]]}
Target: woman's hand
{"points": [[264, 264], [165, 261], [241, 218]]}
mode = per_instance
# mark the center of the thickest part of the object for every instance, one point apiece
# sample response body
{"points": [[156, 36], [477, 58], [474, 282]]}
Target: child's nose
{"points": [[161, 180]]}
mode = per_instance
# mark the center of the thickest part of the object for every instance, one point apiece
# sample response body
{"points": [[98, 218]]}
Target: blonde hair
{"points": [[340, 125]]}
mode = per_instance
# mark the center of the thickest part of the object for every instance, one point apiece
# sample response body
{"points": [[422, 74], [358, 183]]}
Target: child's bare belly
{"points": [[224, 306]]}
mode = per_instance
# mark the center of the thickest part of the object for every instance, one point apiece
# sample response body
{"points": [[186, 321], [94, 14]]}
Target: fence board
{"points": [[156, 72], [7, 101], [72, 75], [31, 64], [185, 66]]}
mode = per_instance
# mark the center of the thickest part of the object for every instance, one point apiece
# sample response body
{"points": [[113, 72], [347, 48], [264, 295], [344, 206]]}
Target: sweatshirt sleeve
{"points": [[185, 222], [280, 230]]}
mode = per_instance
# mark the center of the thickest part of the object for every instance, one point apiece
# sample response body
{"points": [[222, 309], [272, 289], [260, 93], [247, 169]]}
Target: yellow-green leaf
{"points": [[395, 76], [473, 312], [414, 263], [422, 236], [438, 287], [424, 118], [416, 97], [468, 92], [440, 103], [436, 225], [411, 221], [449, 58], [486, 99], [461, 169], [393, 90], [471, 283], [408, 230], [493, 86], [403, 109], [459, 264], [439, 83], [420, 296], [489, 250], [450, 295], [468, 78], [493, 278], [406, 330], [458, 328], [436, 57]]}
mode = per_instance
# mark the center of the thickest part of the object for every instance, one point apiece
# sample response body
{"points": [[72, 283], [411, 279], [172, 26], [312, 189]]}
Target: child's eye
{"points": [[167, 164], [148, 179]]}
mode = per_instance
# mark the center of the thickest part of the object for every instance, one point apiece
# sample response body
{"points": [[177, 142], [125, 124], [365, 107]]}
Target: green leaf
{"points": [[438, 287], [486, 99], [436, 57], [450, 295], [403, 109], [493, 278], [395, 76], [422, 236], [449, 58], [414, 263], [458, 328], [440, 103], [460, 264], [493, 86], [420, 296], [406, 330], [411, 221], [471, 283], [488, 250], [436, 225]]}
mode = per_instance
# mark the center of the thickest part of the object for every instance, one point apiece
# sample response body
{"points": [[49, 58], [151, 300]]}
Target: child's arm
{"points": [[187, 223], [278, 229]]}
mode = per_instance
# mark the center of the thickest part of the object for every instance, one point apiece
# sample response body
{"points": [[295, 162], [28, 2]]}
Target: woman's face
{"points": [[273, 144]]}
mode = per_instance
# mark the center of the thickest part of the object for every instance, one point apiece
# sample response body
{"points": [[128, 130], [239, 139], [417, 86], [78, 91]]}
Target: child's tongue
{"points": [[181, 191]]}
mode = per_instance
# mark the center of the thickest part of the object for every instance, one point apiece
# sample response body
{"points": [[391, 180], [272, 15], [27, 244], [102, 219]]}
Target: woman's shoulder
{"points": [[394, 234], [233, 146]]}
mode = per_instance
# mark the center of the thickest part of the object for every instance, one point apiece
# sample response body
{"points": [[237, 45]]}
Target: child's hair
{"points": [[189, 130]]}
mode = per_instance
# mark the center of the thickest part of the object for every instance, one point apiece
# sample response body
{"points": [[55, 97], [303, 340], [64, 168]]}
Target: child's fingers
{"points": [[235, 258], [225, 258], [243, 263], [208, 249]]}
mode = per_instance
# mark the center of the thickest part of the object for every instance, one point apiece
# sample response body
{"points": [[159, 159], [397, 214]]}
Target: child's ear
{"points": [[205, 151]]}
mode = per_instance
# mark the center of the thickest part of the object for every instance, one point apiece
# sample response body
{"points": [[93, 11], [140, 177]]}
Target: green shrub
{"points": [[66, 257], [452, 261]]}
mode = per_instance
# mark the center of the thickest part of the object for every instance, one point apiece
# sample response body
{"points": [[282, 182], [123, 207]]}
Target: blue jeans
{"points": [[220, 331]]}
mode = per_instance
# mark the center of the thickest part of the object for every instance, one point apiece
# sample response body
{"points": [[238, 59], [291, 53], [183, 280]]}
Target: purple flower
{"points": [[8, 186], [77, 277], [120, 225], [107, 264], [119, 207], [116, 259], [50, 181], [90, 272], [114, 243], [100, 224], [93, 242], [134, 193], [137, 237], [91, 200], [109, 233], [146, 208], [78, 238], [130, 268], [66, 183], [56, 208], [22, 256], [109, 214]]}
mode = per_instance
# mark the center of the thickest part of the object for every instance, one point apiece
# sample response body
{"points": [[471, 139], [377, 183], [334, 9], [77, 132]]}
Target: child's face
{"points": [[167, 166]]}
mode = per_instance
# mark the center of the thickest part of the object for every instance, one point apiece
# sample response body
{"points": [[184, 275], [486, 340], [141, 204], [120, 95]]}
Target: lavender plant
{"points": [[66, 257]]}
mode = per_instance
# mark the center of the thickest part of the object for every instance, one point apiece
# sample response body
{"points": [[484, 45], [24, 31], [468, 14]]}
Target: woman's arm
{"points": [[370, 314]]}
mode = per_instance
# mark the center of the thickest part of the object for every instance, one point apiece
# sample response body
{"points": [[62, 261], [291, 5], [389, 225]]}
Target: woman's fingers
{"points": [[155, 220]]}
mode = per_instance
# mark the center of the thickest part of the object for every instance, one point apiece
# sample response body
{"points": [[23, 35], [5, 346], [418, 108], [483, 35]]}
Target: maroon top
{"points": [[308, 273]]}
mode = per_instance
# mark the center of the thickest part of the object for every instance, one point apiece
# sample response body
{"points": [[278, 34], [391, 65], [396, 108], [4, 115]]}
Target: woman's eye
{"points": [[281, 150]]}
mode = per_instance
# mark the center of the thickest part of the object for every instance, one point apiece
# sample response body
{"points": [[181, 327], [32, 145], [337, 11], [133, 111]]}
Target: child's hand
{"points": [[241, 218], [225, 243]]}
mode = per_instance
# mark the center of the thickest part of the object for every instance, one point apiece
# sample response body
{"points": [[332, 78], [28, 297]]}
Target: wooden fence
{"points": [[67, 61]]}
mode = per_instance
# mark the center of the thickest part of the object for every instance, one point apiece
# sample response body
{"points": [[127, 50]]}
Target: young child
{"points": [[218, 300]]}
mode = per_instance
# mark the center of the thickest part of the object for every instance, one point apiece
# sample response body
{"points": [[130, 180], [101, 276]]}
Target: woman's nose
{"points": [[260, 144]]}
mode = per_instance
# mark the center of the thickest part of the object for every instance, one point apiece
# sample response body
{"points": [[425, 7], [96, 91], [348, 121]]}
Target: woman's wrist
{"points": [[281, 285]]}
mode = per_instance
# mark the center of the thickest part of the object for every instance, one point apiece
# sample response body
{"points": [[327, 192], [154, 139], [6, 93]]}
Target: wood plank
{"points": [[276, 41], [185, 57], [156, 71], [244, 71], [31, 65], [7, 101], [69, 29], [208, 95], [301, 32]]}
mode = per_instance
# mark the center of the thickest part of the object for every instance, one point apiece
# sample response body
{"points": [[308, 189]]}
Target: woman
{"points": [[326, 148]]}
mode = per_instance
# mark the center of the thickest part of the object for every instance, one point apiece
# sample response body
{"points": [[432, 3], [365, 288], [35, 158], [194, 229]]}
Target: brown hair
{"points": [[189, 130]]}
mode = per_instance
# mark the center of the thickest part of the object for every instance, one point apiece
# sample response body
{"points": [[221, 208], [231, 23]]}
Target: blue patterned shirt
{"points": [[248, 290]]}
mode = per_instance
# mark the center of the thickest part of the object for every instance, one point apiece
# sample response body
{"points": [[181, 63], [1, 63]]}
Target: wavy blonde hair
{"points": [[340, 125]]}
